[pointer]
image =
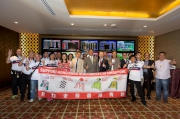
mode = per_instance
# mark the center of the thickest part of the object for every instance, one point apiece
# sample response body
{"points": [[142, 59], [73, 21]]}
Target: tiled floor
{"points": [[87, 109]]}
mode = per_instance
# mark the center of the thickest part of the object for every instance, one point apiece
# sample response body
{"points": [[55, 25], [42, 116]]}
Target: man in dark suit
{"points": [[124, 60], [102, 63], [148, 74], [91, 63]]}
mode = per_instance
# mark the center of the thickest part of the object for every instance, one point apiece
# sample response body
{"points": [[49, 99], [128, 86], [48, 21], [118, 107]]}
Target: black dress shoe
{"points": [[148, 97], [22, 99], [133, 100], [144, 103]]}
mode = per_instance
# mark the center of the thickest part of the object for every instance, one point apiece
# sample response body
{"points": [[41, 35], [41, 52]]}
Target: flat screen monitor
{"points": [[48, 43], [125, 46], [89, 44], [107, 45], [70, 45]]}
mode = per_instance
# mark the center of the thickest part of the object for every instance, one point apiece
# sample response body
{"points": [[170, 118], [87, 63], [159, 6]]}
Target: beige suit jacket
{"points": [[80, 68]]}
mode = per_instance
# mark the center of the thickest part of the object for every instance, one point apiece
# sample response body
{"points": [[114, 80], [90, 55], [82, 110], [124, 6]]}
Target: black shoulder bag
{"points": [[30, 75]]}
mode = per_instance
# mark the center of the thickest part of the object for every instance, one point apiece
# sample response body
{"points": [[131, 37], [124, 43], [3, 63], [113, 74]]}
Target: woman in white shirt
{"points": [[51, 62]]}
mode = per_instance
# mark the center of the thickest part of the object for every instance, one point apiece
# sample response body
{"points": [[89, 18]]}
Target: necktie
{"points": [[100, 61], [76, 65]]}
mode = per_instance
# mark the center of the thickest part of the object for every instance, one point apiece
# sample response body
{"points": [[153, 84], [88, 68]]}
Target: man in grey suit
{"points": [[114, 62], [91, 63]]}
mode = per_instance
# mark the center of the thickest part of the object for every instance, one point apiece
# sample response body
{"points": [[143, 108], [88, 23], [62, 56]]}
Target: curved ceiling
{"points": [[53, 17]]}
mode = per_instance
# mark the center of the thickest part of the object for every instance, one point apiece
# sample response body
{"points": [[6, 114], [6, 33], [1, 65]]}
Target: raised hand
{"points": [[153, 66], [87, 67], [104, 65], [173, 61], [27, 62], [9, 52], [125, 65]]}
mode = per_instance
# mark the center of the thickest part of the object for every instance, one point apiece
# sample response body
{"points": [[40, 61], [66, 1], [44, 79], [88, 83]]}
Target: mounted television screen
{"points": [[125, 46], [89, 44], [70, 45], [107, 45], [49, 43]]}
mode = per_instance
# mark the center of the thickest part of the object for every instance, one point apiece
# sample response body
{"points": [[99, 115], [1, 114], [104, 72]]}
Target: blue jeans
{"points": [[34, 84], [162, 83]]}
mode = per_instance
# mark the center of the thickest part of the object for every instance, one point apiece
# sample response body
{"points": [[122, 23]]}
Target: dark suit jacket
{"points": [[101, 68], [123, 63], [92, 67], [150, 71]]}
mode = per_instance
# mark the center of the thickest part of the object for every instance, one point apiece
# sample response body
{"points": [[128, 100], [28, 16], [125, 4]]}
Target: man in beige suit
{"points": [[91, 63], [77, 64], [114, 62]]}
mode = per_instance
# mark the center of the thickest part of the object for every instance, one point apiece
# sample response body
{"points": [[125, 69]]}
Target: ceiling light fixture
{"points": [[145, 26], [16, 22], [105, 24], [152, 31], [72, 24]]}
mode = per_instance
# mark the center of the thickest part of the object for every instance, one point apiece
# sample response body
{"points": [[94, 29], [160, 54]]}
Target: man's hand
{"points": [[125, 65], [9, 52], [173, 61], [153, 66], [87, 67], [104, 65]]}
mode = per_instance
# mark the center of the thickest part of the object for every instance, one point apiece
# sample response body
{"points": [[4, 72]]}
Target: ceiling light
{"points": [[105, 24], [16, 22], [72, 24], [140, 29], [152, 31], [113, 25], [145, 26]]}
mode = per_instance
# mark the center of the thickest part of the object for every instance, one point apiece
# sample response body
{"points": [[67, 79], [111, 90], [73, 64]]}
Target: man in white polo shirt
{"points": [[162, 76], [135, 68], [15, 70]]}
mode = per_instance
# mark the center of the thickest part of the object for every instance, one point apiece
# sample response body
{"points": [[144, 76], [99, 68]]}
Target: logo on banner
{"points": [[63, 84], [97, 84], [114, 83], [45, 84], [80, 84]]}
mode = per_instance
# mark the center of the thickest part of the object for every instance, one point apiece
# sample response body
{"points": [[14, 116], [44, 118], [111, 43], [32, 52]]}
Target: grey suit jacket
{"points": [[117, 63], [91, 67]]}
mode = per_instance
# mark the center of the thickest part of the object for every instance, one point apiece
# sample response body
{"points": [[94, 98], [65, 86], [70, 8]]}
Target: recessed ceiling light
{"points": [[140, 29], [105, 24], [145, 26], [16, 22], [72, 24], [152, 31]]}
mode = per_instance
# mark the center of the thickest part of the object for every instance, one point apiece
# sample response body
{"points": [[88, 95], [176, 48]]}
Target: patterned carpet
{"points": [[87, 109]]}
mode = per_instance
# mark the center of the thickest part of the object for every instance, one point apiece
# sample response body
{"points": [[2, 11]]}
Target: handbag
{"points": [[30, 75]]}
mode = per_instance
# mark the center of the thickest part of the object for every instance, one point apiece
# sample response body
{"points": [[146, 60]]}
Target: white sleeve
{"points": [[11, 58], [31, 65]]}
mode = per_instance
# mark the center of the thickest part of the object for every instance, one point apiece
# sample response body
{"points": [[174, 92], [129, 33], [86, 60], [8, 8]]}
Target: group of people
{"points": [[24, 70]]}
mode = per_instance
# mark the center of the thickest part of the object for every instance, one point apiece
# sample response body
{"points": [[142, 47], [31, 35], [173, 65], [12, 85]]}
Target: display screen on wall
{"points": [[70, 45], [51, 44], [89, 44], [125, 46], [107, 45]]}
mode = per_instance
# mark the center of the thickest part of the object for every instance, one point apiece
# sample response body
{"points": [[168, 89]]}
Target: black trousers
{"points": [[16, 77], [139, 90], [147, 84], [24, 81]]}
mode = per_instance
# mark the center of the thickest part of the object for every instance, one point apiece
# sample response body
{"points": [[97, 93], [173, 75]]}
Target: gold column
{"points": [[29, 41]]}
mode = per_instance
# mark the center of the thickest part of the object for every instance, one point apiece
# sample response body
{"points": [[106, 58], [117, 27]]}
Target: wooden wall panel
{"points": [[8, 40]]}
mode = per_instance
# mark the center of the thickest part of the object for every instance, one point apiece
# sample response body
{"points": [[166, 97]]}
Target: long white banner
{"points": [[57, 84]]}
